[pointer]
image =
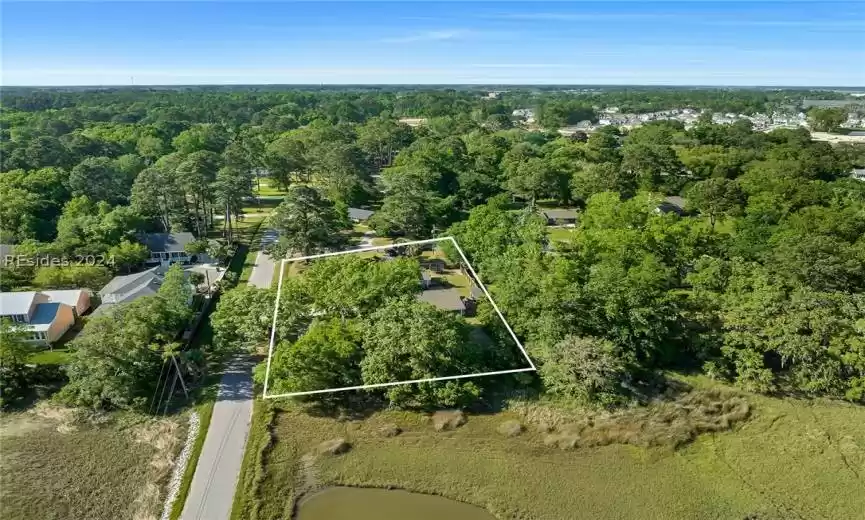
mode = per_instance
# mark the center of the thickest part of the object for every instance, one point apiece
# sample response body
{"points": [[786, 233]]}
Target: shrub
{"points": [[585, 369]]}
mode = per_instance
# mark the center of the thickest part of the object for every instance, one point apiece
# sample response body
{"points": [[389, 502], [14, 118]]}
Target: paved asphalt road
{"points": [[213, 485], [215, 479], [262, 272]]}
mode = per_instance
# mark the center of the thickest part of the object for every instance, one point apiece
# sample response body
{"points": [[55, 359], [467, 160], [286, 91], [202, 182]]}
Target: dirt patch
{"points": [[390, 430], [163, 436], [510, 428], [333, 447], [64, 419], [446, 420], [20, 424]]}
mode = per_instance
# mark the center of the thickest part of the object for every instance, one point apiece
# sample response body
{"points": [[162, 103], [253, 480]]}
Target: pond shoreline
{"points": [[404, 494]]}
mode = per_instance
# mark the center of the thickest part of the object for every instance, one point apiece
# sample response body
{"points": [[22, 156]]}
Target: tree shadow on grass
{"points": [[352, 405]]}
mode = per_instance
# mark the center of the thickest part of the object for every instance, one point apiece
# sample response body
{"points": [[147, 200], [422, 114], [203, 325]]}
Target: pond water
{"points": [[345, 503]]}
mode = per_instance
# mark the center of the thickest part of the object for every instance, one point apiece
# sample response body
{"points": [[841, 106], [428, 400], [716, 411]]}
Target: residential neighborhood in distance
{"points": [[432, 261]]}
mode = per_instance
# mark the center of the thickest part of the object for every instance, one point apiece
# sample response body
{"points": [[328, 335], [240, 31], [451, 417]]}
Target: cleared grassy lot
{"points": [[560, 234], [268, 188], [793, 459], [57, 467]]}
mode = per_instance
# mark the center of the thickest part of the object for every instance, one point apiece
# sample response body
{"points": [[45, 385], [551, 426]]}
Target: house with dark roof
{"points": [[45, 320], [359, 215], [170, 248], [672, 204], [560, 217]]}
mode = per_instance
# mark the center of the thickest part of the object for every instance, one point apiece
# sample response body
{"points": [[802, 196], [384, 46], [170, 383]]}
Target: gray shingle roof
{"points": [[168, 242], [556, 214], [127, 282], [359, 214], [675, 200], [445, 299]]}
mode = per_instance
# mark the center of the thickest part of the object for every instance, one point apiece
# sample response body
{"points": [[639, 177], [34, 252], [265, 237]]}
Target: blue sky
{"points": [[682, 43]]}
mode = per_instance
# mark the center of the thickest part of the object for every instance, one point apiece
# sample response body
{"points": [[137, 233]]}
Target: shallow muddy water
{"points": [[346, 503]]}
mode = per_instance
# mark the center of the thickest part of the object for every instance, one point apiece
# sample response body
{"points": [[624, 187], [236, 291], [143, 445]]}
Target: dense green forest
{"points": [[760, 281]]}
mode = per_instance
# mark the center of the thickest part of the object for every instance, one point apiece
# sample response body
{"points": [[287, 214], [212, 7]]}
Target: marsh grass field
{"points": [[790, 459], [58, 467]]}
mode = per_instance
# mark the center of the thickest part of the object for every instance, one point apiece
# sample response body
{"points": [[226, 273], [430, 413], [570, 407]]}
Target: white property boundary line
{"points": [[531, 367]]}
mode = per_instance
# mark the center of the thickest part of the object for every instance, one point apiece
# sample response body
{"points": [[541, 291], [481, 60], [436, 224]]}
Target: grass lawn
{"points": [[249, 251], [264, 206], [51, 357], [291, 269], [268, 188], [793, 459], [560, 234], [55, 467], [457, 280]]}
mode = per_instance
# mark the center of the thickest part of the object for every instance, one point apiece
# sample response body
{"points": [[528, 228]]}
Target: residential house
{"points": [[357, 215], [524, 113], [447, 299], [413, 121], [123, 289], [673, 204], [170, 248], [560, 217], [436, 265], [858, 174], [78, 299], [46, 321]]}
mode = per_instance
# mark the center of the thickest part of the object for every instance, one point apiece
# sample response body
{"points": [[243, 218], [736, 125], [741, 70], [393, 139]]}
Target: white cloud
{"points": [[429, 36]]}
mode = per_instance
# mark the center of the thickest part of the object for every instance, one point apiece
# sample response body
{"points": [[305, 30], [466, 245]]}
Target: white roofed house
{"points": [[45, 320]]}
